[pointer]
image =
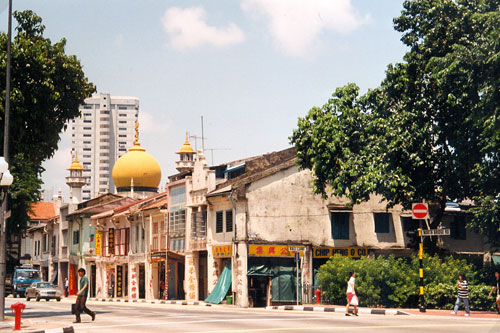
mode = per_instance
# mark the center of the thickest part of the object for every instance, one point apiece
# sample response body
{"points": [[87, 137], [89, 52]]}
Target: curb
{"points": [[68, 329], [329, 309], [148, 301]]}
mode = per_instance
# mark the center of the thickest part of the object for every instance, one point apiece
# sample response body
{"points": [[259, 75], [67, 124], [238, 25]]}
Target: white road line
{"points": [[191, 322]]}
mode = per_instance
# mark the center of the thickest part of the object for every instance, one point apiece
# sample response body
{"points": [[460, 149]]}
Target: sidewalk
{"points": [[148, 301], [381, 311], [28, 325]]}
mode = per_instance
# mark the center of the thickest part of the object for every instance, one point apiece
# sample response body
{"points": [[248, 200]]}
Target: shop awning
{"points": [[222, 286], [260, 270]]}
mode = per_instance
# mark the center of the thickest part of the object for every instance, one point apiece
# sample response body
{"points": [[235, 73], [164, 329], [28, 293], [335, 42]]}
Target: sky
{"points": [[250, 68]]}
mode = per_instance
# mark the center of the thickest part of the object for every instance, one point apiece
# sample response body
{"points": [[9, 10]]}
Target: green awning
{"points": [[496, 260], [260, 270], [222, 286], [284, 284]]}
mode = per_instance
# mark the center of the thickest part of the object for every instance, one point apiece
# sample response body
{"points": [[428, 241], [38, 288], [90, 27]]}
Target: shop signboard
{"points": [[98, 243], [224, 251], [119, 277], [111, 241], [257, 250], [327, 252]]}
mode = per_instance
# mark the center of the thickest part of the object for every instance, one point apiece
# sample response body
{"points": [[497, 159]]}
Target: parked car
{"points": [[39, 290]]}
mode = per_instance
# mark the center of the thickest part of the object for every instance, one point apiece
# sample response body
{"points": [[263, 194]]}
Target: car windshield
{"points": [[32, 275], [45, 285]]}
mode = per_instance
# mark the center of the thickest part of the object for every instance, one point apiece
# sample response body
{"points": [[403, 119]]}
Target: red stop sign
{"points": [[420, 211]]}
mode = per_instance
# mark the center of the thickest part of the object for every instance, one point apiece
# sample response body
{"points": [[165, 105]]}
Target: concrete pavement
{"points": [[123, 316]]}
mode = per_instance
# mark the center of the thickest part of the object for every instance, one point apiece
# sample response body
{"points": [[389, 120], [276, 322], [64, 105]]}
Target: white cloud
{"points": [[187, 29], [296, 25], [151, 124]]}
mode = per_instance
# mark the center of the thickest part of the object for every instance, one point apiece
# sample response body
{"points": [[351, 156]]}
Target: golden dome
{"points": [[75, 165], [137, 166], [186, 147]]}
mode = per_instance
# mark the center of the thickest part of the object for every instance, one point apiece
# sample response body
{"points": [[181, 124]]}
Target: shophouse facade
{"points": [[82, 237], [257, 221]]}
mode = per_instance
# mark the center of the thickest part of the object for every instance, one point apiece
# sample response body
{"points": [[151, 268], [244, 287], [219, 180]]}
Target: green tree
{"points": [[47, 86], [430, 131]]}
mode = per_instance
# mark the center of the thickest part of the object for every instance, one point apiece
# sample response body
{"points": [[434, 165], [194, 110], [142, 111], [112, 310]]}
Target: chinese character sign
{"points": [[98, 243], [222, 251], [269, 250], [111, 241]]}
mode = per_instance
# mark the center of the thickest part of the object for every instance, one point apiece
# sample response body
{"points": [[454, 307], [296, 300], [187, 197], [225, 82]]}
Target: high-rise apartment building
{"points": [[103, 133]]}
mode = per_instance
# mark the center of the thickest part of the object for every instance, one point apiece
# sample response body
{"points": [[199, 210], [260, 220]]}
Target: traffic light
{"points": [[413, 239]]}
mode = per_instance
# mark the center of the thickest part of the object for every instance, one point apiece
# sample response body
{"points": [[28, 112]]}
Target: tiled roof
{"points": [[42, 211], [102, 207]]}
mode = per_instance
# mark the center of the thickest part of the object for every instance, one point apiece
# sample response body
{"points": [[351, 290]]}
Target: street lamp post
{"points": [[6, 173], [5, 182]]}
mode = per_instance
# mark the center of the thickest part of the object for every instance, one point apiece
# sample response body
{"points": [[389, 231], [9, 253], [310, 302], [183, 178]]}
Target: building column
{"points": [[191, 276], [307, 273], [213, 270], [133, 281], [240, 279]]}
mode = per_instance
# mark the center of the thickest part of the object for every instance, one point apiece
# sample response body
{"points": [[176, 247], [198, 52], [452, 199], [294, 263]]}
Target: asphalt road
{"points": [[136, 317]]}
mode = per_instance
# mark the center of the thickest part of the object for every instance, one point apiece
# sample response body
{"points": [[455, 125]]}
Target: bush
{"points": [[394, 282]]}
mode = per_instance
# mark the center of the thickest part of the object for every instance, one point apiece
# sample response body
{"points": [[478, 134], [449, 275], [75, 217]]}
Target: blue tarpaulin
{"points": [[222, 286]]}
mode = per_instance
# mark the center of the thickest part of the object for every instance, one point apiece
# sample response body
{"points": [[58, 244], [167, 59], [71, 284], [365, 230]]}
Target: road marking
{"points": [[193, 322], [346, 328]]}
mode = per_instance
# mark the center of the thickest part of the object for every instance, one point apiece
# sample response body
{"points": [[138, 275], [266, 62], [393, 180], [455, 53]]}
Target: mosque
{"points": [[136, 174]]}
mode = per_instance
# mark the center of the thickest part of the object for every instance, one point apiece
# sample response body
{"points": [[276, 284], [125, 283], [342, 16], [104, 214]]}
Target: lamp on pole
{"points": [[5, 182], [7, 178]]}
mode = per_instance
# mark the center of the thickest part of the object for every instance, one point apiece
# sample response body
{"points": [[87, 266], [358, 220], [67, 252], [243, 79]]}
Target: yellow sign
{"points": [[98, 243], [270, 251], [327, 252], [225, 251]]}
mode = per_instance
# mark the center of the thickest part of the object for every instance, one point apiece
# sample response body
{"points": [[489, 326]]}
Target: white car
{"points": [[39, 290]]}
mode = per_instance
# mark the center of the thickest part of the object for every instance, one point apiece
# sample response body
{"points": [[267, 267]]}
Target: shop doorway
{"points": [[142, 281], [93, 275], [259, 290], [203, 274], [125, 280], [161, 279]]}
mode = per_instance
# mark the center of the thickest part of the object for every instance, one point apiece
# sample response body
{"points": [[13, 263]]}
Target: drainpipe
{"points": [[234, 215]]}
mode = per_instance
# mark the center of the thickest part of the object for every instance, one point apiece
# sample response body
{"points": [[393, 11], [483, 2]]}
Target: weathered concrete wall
{"points": [[218, 204], [282, 208]]}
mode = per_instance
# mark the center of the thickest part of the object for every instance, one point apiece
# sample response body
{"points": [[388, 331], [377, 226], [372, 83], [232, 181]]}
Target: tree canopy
{"points": [[431, 130], [47, 86]]}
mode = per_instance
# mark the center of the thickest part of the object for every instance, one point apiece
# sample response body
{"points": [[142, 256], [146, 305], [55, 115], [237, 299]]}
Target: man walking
{"points": [[496, 284], [82, 297], [463, 295]]}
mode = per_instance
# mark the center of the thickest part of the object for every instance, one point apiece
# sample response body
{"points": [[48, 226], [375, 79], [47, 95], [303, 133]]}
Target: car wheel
{"points": [[38, 298], [47, 299], [58, 299]]}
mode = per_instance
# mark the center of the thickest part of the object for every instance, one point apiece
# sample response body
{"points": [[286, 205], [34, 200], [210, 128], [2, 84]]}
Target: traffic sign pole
{"points": [[421, 269]]}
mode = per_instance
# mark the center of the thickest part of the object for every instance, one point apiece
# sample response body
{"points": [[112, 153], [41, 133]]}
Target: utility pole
{"points": [[195, 137], [212, 151], [202, 136], [3, 233], [421, 268]]}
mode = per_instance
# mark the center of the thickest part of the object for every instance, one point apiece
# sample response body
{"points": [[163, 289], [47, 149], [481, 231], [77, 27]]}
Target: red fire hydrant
{"points": [[318, 296], [18, 308]]}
